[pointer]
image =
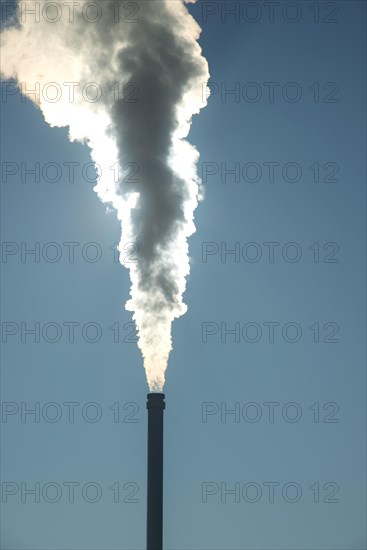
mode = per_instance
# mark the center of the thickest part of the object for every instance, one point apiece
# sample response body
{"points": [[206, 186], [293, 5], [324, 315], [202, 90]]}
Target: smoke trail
{"points": [[155, 52]]}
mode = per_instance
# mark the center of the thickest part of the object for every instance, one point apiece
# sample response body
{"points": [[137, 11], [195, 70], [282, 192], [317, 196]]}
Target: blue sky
{"points": [[297, 317]]}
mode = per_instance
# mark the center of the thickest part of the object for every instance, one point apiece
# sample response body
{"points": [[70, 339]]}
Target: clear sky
{"points": [[275, 325]]}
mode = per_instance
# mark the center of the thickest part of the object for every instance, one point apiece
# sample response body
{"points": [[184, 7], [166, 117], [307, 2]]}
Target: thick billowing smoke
{"points": [[126, 78]]}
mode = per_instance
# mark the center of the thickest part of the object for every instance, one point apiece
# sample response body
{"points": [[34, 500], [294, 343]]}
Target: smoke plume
{"points": [[126, 78]]}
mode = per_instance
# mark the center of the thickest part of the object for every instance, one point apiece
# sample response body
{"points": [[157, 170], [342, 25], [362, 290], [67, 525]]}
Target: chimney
{"points": [[155, 406]]}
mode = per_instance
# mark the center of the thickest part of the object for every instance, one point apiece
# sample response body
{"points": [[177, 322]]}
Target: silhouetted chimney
{"points": [[155, 406]]}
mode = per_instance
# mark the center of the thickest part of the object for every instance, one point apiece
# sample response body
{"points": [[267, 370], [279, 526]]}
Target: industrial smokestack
{"points": [[155, 406]]}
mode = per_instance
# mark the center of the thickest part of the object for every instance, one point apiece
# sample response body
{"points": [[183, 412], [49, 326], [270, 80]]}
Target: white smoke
{"points": [[148, 72]]}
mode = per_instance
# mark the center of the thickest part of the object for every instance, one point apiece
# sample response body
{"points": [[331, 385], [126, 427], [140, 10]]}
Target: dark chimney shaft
{"points": [[155, 406]]}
